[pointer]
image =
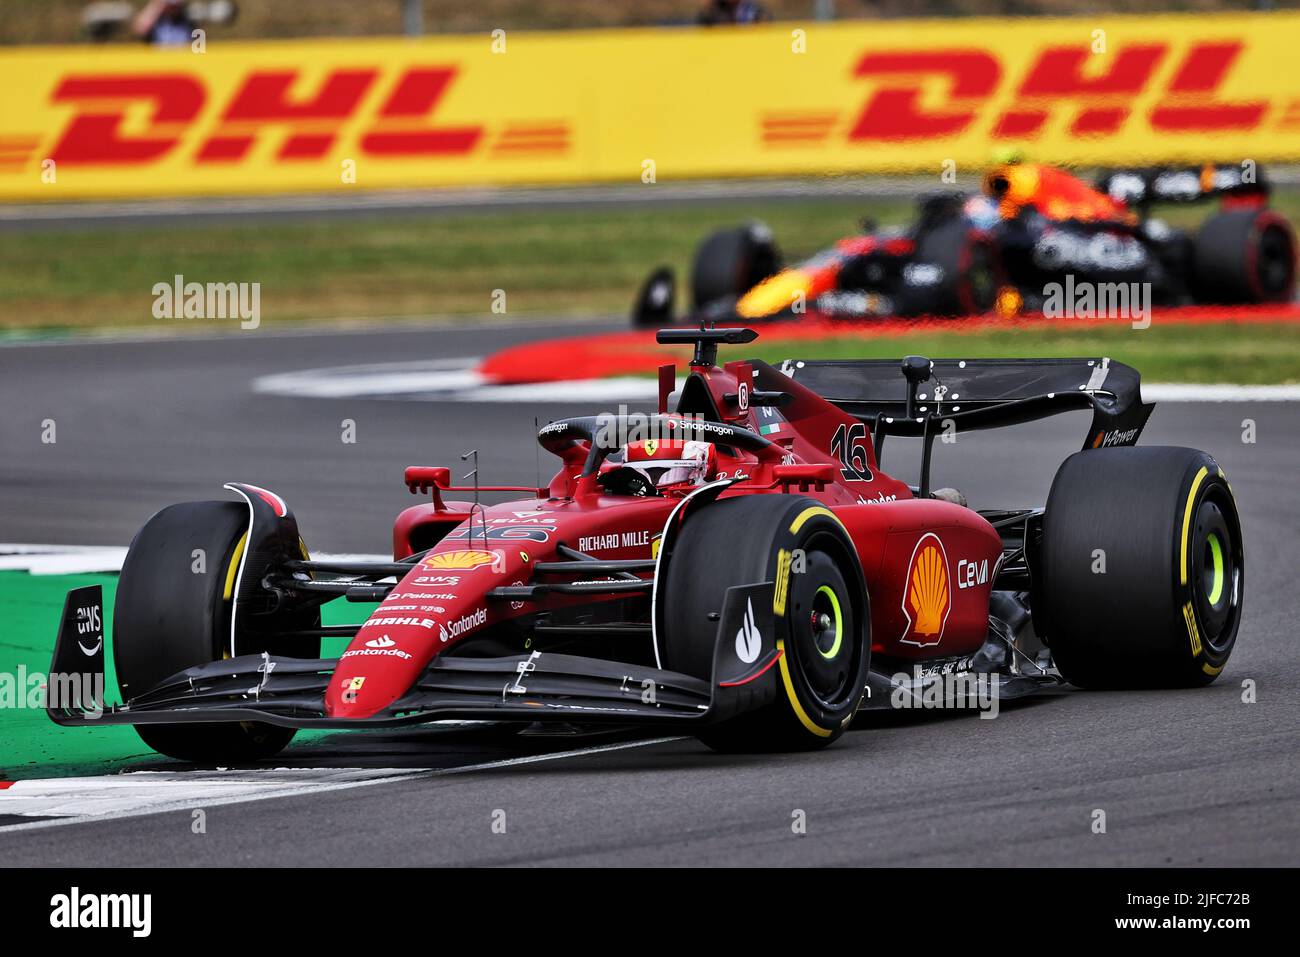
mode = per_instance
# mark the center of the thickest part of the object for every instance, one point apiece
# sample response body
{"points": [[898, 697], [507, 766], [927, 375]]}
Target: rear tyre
{"points": [[1244, 256], [824, 633], [1142, 568], [731, 262], [168, 617], [965, 262]]}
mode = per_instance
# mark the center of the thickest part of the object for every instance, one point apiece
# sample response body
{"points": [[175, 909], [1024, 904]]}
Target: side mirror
{"points": [[815, 474]]}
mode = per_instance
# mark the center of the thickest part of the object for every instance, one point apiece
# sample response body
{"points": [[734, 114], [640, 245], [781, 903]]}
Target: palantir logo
{"points": [[76, 910]]}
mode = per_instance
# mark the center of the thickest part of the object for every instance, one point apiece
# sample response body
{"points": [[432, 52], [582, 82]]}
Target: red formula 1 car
{"points": [[737, 565]]}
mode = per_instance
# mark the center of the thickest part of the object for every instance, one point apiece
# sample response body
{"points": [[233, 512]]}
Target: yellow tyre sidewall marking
{"points": [[1187, 522], [782, 589], [808, 513], [229, 590], [799, 711], [800, 520], [1193, 634]]}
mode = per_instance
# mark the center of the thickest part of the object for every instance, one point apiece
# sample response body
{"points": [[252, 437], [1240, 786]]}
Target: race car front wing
{"points": [[291, 691]]}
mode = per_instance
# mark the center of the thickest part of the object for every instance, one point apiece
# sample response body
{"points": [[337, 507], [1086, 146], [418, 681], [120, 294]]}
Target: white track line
{"points": [[443, 380], [1217, 392], [83, 559], [166, 791], [456, 380]]}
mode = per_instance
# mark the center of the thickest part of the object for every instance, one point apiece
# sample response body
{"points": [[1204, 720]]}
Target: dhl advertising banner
{"points": [[602, 106]]}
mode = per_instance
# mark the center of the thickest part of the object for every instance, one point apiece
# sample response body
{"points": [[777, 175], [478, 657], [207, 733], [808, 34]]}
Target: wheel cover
{"points": [[827, 622], [1216, 578], [820, 651]]}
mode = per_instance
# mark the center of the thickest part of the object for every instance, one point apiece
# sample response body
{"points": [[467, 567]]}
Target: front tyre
{"points": [[731, 262], [1142, 568], [172, 612], [821, 615]]}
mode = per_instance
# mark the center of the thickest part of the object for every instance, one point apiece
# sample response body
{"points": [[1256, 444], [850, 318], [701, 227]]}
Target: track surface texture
{"points": [[1184, 778]]}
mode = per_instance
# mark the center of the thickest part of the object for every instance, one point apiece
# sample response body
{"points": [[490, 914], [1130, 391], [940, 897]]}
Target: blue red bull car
{"points": [[738, 565]]}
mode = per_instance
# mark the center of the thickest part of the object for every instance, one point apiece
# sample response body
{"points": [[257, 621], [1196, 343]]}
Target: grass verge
{"points": [[1250, 353], [34, 746], [549, 262]]}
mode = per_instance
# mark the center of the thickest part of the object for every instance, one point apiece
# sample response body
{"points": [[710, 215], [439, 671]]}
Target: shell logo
{"points": [[927, 597], [463, 559]]}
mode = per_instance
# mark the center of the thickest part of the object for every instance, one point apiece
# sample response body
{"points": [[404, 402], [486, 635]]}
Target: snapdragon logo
{"points": [[1098, 300], [76, 910], [616, 431], [213, 300]]}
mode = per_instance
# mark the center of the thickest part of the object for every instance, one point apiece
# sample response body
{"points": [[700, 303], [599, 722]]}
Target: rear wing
{"points": [[979, 394], [1188, 184]]}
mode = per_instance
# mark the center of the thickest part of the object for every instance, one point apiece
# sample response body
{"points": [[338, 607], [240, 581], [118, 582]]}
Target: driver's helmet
{"points": [[665, 464], [981, 212]]}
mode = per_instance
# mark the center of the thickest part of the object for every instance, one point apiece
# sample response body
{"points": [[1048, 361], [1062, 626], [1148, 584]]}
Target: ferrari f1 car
{"points": [[1030, 226], [738, 566]]}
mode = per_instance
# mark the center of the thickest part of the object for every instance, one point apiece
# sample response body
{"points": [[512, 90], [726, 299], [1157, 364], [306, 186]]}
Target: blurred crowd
{"points": [[172, 22]]}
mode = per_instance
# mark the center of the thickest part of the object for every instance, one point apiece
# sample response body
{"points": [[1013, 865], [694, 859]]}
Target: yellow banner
{"points": [[646, 105]]}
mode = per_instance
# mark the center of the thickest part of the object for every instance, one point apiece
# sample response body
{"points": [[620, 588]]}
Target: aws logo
{"points": [[927, 596]]}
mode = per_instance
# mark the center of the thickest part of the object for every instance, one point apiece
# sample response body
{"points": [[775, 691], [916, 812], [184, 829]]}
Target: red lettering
{"points": [[264, 100], [93, 135], [894, 113], [402, 129], [1191, 106], [1059, 74]]}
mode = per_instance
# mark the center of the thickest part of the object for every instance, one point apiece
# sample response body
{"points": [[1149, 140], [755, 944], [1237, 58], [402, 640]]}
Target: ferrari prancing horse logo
{"points": [[926, 595]]}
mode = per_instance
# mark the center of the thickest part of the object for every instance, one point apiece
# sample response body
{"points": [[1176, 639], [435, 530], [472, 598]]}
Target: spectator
{"points": [[733, 11], [164, 23]]}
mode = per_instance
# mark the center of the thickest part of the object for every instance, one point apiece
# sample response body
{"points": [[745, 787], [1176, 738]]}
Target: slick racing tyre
{"points": [[1244, 256], [168, 617], [731, 262], [958, 266], [823, 634], [1142, 568]]}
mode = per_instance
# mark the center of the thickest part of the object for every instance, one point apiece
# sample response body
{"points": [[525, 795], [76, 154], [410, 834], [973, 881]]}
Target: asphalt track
{"points": [[350, 201], [1185, 778]]}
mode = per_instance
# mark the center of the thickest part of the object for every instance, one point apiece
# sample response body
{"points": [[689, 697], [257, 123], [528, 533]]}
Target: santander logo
{"points": [[748, 640]]}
